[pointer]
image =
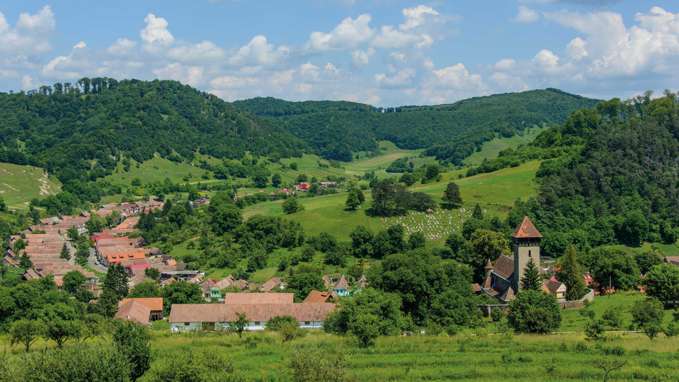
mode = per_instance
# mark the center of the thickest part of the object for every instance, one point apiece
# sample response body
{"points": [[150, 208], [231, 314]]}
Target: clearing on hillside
{"points": [[491, 149], [495, 192], [20, 184], [156, 170]]}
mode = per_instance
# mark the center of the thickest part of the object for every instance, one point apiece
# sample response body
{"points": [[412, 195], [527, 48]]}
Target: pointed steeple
{"points": [[527, 230]]}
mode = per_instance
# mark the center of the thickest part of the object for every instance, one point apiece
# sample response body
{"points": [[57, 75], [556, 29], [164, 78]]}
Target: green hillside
{"points": [[495, 192], [20, 184], [492, 148], [449, 132]]}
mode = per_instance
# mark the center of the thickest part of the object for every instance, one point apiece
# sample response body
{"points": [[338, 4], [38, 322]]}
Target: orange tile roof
{"points": [[153, 303], [318, 297], [526, 230]]}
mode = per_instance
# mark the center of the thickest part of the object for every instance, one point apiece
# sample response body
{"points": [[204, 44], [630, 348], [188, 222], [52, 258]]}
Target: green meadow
{"points": [[492, 148], [495, 192], [20, 184], [156, 169]]}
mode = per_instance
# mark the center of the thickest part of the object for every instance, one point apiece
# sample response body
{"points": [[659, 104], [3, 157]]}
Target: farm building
{"points": [[191, 317]]}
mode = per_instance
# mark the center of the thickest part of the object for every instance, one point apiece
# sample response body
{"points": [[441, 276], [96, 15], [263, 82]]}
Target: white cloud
{"points": [[362, 57], [577, 49], [155, 32], [331, 69], [233, 82], [350, 33], [122, 46], [27, 82], [259, 52], [70, 67], [417, 16], [41, 22], [505, 64], [309, 71], [457, 76], [401, 78], [546, 59], [526, 15], [190, 75], [31, 34], [200, 52]]}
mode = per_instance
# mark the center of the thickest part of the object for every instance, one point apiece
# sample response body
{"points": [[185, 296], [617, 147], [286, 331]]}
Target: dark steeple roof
{"points": [[526, 230]]}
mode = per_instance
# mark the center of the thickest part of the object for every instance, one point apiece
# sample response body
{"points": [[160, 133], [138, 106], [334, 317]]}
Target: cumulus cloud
{"points": [[191, 75], [155, 32], [417, 16], [121, 46], [200, 52], [362, 57], [259, 52], [401, 78], [70, 67], [349, 33], [31, 33]]}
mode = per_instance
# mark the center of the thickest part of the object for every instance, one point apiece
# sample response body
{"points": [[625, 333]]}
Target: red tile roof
{"points": [[134, 311], [527, 230], [317, 297], [254, 312], [153, 303], [258, 298]]}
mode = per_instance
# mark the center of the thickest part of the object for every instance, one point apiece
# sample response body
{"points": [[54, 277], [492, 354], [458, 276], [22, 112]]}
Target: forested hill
{"points": [[619, 182], [80, 131], [336, 129]]}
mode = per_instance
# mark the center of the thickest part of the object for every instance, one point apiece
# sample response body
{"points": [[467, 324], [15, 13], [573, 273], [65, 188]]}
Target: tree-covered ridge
{"points": [[81, 130], [620, 182], [449, 132]]}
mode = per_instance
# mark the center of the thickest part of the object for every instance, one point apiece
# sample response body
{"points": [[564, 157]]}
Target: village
{"points": [[50, 249]]}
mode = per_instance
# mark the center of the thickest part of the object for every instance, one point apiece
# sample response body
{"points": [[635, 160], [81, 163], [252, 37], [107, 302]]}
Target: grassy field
{"points": [[492, 148], [495, 192], [156, 170], [474, 355], [20, 184]]}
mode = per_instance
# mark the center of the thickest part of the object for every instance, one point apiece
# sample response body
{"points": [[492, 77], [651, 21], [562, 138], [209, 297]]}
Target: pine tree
{"points": [[571, 274], [116, 281], [451, 196], [531, 278], [478, 212], [65, 253]]}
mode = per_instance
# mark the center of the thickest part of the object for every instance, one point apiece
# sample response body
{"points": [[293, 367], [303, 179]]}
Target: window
{"points": [[307, 323], [529, 253], [187, 323], [257, 323]]}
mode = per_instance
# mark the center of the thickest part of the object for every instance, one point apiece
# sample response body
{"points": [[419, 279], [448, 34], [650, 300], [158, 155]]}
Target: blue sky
{"points": [[383, 52]]}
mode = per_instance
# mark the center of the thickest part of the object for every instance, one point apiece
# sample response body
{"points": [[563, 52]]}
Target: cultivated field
{"points": [[20, 184]]}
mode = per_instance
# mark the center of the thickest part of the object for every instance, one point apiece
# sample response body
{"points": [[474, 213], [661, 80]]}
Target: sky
{"points": [[381, 52]]}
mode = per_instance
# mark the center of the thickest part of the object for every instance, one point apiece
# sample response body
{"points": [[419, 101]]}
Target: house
{"points": [[503, 278], [118, 255], [258, 298], [303, 186], [318, 297], [341, 287], [134, 311], [192, 317], [154, 304], [271, 284], [328, 184], [673, 260], [555, 287]]}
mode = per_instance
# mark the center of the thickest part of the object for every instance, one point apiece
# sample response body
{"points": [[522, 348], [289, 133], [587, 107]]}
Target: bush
{"points": [[279, 321], [73, 364], [316, 364], [133, 341], [534, 312], [594, 329], [612, 318], [190, 365]]}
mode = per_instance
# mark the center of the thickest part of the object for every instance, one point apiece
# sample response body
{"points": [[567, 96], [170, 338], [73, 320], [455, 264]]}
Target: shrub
{"points": [[276, 323], [73, 364], [316, 364], [534, 312], [133, 341], [595, 330]]}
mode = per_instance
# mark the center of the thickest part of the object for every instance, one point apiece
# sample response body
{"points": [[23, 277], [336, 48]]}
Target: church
{"points": [[503, 278]]}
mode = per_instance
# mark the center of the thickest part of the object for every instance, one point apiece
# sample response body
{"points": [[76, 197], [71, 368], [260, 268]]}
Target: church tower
{"points": [[526, 240]]}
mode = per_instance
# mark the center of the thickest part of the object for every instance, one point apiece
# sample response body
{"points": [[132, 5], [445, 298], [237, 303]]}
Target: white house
{"points": [[190, 317]]}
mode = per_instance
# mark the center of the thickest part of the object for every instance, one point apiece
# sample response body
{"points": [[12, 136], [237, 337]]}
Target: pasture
{"points": [[492, 148], [495, 192], [20, 184], [156, 169]]}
